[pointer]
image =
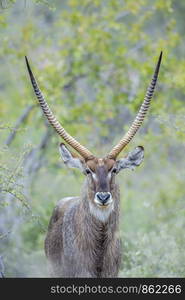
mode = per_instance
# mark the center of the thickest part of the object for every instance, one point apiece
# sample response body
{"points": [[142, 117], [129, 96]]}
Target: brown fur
{"points": [[77, 243]]}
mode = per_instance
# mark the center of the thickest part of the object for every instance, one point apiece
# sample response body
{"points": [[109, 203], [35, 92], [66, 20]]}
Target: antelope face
{"points": [[100, 175], [100, 187]]}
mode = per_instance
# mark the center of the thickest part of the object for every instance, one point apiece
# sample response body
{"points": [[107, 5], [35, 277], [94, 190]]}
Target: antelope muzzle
{"points": [[103, 199]]}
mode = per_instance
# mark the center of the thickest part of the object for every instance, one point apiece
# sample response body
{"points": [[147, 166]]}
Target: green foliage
{"points": [[93, 60]]}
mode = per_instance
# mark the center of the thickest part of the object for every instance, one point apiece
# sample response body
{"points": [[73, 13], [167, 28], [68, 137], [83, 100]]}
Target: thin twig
{"points": [[25, 204]]}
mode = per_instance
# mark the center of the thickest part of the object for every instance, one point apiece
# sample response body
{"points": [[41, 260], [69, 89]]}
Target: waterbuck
{"points": [[82, 238]]}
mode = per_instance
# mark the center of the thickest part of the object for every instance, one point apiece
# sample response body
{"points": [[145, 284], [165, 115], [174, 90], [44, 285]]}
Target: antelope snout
{"points": [[103, 198]]}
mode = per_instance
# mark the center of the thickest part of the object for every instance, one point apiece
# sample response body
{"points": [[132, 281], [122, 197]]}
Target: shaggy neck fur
{"points": [[98, 236]]}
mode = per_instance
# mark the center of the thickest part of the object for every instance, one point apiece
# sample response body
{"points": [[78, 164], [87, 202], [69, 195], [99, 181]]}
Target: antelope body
{"points": [[82, 238]]}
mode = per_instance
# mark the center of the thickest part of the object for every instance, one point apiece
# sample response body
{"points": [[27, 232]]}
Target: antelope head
{"points": [[100, 172]]}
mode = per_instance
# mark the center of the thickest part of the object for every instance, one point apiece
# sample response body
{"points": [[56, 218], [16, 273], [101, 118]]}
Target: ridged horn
{"points": [[140, 116], [85, 153]]}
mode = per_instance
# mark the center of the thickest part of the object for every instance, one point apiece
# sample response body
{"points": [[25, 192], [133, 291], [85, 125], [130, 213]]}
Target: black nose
{"points": [[103, 197]]}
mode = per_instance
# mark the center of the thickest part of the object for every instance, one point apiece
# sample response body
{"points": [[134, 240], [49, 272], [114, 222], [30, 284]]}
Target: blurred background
{"points": [[93, 60]]}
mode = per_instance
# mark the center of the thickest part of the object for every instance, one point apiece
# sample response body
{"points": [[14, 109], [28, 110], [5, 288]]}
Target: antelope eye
{"points": [[114, 170], [87, 171]]}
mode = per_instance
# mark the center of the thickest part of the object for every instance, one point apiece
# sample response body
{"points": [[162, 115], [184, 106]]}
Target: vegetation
{"points": [[93, 60]]}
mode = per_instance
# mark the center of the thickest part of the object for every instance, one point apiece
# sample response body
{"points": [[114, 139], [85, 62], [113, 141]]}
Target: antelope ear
{"points": [[69, 159], [132, 160]]}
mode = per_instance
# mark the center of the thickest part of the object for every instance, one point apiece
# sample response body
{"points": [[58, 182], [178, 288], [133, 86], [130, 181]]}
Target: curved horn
{"points": [[140, 116], [86, 154]]}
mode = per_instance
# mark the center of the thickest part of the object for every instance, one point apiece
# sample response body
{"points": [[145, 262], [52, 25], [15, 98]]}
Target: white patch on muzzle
{"points": [[101, 212]]}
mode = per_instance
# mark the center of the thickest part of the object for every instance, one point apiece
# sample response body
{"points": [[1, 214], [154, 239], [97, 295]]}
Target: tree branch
{"points": [[21, 119], [1, 267]]}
